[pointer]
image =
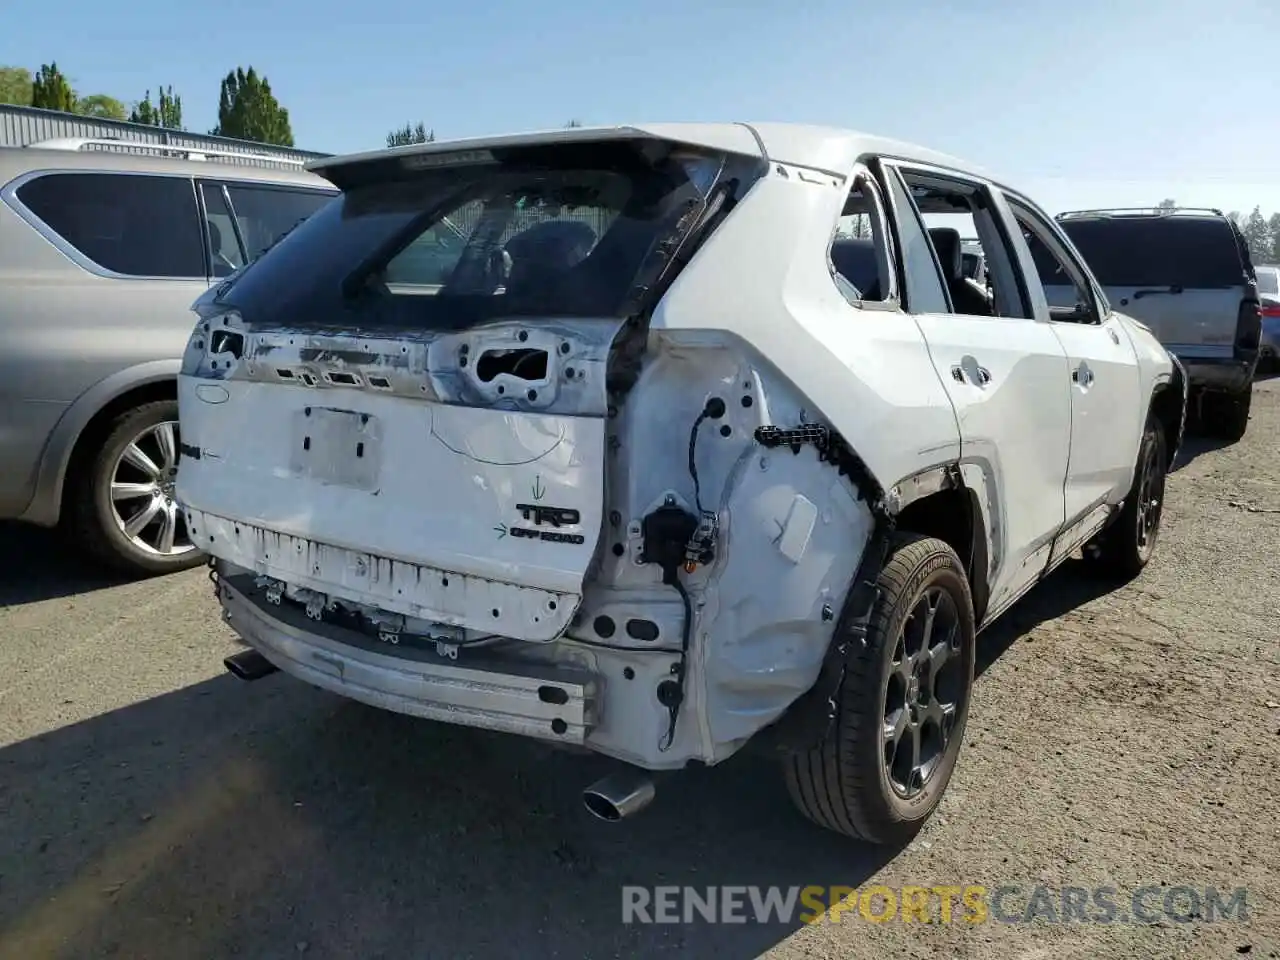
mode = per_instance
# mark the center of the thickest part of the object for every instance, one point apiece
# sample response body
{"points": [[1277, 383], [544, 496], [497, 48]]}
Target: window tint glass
{"points": [[1158, 251], [572, 231], [136, 225], [1067, 291], [224, 249], [265, 213], [857, 253], [429, 260]]}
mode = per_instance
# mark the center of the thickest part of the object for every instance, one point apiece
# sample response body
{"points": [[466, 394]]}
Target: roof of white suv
{"points": [[830, 149]]}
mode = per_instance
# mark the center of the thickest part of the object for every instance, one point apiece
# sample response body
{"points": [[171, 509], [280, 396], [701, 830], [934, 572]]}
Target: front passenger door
{"points": [[1107, 409]]}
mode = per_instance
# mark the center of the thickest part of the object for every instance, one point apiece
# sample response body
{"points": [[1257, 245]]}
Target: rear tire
{"points": [[859, 782], [130, 478], [1226, 415], [1125, 547]]}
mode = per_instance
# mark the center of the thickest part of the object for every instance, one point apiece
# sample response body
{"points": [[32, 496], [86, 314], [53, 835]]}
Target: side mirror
{"points": [[1080, 313]]}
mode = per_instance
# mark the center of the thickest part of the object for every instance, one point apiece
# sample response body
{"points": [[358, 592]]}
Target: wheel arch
{"points": [[86, 420], [1168, 406], [936, 502], [939, 503]]}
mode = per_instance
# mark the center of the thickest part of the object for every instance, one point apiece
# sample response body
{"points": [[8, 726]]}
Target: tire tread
{"points": [[827, 791]]}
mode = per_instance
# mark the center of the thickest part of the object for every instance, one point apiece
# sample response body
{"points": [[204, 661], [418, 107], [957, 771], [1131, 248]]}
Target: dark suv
{"points": [[1187, 275]]}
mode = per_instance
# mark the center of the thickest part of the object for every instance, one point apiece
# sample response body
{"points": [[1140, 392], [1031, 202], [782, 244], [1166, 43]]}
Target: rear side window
{"points": [[138, 226], [577, 230], [267, 213], [1198, 252], [225, 255]]}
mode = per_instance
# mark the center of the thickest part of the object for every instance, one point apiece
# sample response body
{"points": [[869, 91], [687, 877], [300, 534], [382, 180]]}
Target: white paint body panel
{"points": [[1015, 428], [1107, 412]]}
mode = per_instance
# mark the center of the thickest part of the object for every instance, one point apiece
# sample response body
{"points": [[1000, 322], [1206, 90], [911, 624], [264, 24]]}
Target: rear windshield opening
{"points": [[573, 230], [1158, 251], [1269, 281]]}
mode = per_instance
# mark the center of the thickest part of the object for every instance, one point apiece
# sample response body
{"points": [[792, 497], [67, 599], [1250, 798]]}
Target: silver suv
{"points": [[102, 253], [1186, 273]]}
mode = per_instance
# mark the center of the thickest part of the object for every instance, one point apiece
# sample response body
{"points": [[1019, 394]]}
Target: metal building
{"points": [[20, 126]]}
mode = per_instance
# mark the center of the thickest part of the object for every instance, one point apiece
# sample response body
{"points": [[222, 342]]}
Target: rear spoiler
{"points": [[342, 170]]}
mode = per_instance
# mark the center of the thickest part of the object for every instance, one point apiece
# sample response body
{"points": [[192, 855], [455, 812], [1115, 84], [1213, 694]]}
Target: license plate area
{"points": [[336, 447]]}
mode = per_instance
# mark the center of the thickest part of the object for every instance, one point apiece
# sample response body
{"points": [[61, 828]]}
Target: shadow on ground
{"points": [[1069, 587], [270, 820], [38, 564], [1194, 445]]}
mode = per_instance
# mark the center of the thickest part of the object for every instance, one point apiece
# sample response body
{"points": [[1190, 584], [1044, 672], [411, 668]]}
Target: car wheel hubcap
{"points": [[925, 693], [142, 493]]}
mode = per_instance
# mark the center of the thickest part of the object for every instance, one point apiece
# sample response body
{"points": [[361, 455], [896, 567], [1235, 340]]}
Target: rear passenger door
{"points": [[1107, 407], [1005, 371]]}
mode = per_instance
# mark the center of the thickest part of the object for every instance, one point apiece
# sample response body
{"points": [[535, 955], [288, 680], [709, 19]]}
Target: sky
{"points": [[1078, 103]]}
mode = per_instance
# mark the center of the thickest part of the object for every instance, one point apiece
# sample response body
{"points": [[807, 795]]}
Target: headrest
{"points": [[855, 260], [215, 236], [946, 242], [556, 244]]}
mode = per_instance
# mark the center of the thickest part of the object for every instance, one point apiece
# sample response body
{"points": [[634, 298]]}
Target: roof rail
{"points": [[189, 153], [1136, 211]]}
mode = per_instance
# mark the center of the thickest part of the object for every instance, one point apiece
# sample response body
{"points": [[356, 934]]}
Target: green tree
{"points": [[168, 114], [15, 86], [101, 107], [1167, 205], [1257, 233], [410, 134], [247, 110], [51, 90], [1274, 224]]}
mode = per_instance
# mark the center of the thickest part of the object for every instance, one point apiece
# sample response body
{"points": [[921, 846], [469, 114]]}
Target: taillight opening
{"points": [[1248, 326]]}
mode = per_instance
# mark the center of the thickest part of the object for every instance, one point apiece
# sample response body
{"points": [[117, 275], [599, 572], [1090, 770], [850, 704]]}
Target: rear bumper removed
{"points": [[491, 693]]}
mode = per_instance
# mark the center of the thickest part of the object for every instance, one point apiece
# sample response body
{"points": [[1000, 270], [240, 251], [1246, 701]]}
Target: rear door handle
{"points": [[1082, 375]]}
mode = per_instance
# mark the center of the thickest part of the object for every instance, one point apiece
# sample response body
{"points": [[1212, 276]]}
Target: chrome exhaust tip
{"points": [[249, 665], [619, 795]]}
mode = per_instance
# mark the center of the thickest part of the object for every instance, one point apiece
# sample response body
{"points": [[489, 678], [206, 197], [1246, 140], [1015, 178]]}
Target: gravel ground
{"points": [[151, 806]]}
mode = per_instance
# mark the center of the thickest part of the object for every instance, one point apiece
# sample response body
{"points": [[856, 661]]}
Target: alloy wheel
{"points": [[925, 693], [142, 492]]}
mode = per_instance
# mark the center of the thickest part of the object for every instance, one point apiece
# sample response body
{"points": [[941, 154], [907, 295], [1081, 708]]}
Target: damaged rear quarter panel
{"points": [[791, 534]]}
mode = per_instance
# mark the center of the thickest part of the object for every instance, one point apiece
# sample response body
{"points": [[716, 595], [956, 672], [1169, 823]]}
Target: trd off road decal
{"points": [[543, 515]]}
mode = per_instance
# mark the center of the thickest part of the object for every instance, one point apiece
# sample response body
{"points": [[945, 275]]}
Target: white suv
{"points": [[696, 439]]}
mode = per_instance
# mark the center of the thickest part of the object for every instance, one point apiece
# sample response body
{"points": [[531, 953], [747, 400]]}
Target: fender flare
{"points": [[1177, 382], [45, 508]]}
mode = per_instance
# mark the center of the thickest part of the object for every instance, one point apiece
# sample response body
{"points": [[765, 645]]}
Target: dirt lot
{"points": [[151, 806]]}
